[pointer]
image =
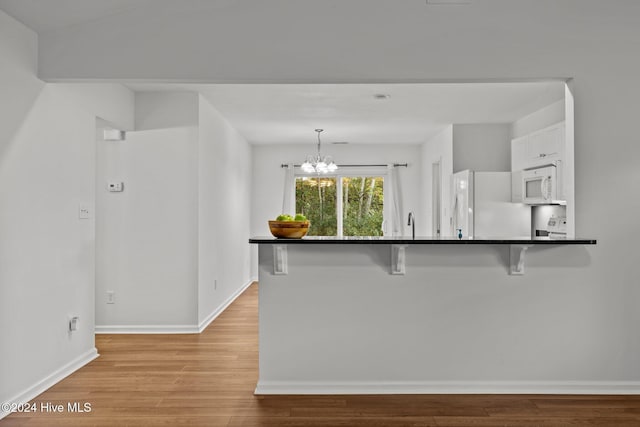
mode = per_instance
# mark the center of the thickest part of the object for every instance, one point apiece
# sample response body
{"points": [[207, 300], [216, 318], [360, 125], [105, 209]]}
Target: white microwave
{"points": [[539, 186]]}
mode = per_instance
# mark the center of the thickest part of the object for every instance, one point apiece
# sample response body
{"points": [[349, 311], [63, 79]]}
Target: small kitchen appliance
{"points": [[539, 186]]}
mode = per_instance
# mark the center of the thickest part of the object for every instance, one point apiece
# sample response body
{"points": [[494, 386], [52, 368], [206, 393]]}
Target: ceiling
{"points": [[289, 113], [235, 41], [42, 16], [327, 41]]}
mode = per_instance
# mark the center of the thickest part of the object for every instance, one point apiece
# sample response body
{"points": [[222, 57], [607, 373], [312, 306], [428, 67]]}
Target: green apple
{"points": [[284, 217], [300, 217]]}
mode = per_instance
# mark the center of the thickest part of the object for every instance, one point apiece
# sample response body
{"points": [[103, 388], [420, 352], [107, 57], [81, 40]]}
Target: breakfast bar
{"points": [[517, 246], [404, 315]]}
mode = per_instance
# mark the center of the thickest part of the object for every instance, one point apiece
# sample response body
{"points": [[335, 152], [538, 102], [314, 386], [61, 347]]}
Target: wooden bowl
{"points": [[289, 229]]}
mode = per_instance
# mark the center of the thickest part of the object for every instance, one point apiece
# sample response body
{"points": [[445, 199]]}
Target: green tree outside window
{"points": [[362, 205]]}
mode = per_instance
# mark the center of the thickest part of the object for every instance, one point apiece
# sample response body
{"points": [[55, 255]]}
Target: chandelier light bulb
{"points": [[318, 163], [321, 166], [307, 166]]}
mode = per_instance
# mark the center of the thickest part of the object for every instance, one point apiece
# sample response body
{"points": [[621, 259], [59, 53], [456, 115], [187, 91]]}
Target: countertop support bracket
{"points": [[516, 256], [280, 260], [398, 259]]}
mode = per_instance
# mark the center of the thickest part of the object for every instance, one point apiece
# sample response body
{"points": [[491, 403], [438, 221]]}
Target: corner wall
{"points": [[224, 194], [147, 234], [47, 157], [173, 246]]}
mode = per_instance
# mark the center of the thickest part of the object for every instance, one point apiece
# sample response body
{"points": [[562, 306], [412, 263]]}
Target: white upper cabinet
{"points": [[540, 148]]}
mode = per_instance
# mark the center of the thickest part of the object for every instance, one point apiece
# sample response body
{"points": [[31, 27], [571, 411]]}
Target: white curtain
{"points": [[397, 224], [288, 195]]}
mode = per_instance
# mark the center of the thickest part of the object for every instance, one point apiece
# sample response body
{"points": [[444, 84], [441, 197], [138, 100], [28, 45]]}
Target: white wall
{"points": [[224, 189], [545, 117], [46, 252], [162, 110], [437, 149], [173, 246], [482, 147], [456, 322], [147, 251], [20, 86]]}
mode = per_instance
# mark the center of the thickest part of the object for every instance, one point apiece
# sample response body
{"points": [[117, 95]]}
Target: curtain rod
{"points": [[284, 165]]}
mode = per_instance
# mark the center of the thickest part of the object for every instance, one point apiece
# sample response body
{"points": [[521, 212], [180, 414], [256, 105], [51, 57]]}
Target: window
{"points": [[343, 205], [316, 199], [362, 206]]}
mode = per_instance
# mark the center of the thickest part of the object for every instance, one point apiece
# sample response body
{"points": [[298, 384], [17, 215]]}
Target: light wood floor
{"points": [[208, 380]]}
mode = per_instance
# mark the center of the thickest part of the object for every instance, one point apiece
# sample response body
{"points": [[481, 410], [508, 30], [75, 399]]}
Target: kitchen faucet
{"points": [[412, 223]]}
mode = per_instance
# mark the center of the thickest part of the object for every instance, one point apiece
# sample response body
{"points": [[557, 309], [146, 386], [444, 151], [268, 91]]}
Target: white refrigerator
{"points": [[482, 206]]}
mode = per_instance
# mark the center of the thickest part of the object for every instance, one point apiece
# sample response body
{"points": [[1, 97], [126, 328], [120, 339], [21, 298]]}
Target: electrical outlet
{"points": [[111, 297]]}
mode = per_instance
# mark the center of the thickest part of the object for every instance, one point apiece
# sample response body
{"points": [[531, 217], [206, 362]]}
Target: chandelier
{"points": [[318, 163]]}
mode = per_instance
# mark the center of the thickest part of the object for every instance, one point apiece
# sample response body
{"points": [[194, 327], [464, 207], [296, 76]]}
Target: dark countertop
{"points": [[422, 240]]}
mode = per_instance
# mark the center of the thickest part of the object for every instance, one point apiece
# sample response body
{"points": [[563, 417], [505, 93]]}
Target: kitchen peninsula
{"points": [[402, 315]]}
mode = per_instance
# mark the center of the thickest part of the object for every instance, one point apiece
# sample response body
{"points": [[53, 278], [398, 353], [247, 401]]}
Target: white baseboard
{"points": [[450, 387], [147, 329], [172, 329], [210, 318], [53, 378]]}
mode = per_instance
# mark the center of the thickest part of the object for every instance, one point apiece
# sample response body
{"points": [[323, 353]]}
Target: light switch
{"points": [[74, 323], [83, 211]]}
